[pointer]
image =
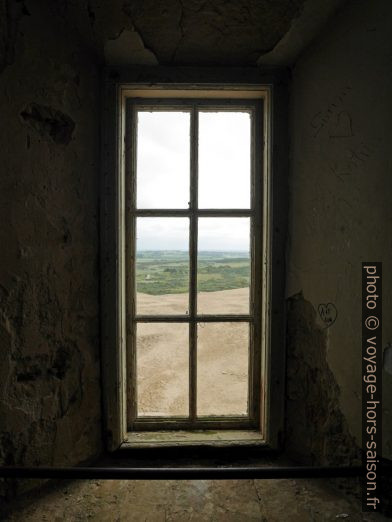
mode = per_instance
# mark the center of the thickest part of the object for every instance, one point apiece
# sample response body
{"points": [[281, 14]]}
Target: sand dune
{"points": [[162, 356], [222, 302]]}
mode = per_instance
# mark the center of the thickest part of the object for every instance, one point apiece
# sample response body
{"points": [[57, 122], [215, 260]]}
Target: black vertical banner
{"points": [[371, 385]]}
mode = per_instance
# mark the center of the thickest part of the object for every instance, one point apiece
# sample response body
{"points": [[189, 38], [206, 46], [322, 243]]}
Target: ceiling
{"points": [[180, 32], [209, 32]]}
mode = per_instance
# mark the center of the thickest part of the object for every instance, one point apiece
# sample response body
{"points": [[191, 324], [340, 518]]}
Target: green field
{"points": [[167, 271]]}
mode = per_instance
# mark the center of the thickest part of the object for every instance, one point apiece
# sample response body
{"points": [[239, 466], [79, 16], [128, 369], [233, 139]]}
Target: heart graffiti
{"points": [[328, 313]]}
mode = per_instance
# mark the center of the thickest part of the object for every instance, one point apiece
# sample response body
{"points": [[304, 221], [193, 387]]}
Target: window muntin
{"points": [[212, 319]]}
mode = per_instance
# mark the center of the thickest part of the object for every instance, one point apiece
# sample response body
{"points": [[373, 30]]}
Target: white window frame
{"points": [[119, 87]]}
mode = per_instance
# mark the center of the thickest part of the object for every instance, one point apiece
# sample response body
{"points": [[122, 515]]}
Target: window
{"points": [[193, 265], [187, 251]]}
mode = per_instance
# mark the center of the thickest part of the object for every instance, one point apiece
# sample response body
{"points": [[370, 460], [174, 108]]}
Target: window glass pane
{"points": [[162, 265], [223, 266], [163, 144], [162, 369], [222, 368], [224, 159]]}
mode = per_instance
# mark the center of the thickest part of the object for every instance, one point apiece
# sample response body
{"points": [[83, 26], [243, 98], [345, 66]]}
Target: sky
{"points": [[163, 178], [215, 234]]}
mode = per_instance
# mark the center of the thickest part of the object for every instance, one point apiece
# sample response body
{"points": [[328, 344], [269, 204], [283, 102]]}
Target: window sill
{"points": [[223, 438]]}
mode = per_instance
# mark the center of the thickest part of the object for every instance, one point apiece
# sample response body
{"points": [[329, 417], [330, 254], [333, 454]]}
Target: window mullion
{"points": [[193, 204]]}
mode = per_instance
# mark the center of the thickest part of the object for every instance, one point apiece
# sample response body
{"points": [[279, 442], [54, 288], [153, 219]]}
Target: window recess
{"points": [[189, 203]]}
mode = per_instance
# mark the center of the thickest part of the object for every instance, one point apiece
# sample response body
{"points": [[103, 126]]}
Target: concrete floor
{"points": [[204, 500]]}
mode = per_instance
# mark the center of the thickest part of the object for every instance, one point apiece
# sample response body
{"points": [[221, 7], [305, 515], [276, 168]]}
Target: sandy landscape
{"points": [[162, 356]]}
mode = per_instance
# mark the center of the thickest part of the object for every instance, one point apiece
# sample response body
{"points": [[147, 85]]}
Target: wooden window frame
{"points": [[186, 84], [251, 420]]}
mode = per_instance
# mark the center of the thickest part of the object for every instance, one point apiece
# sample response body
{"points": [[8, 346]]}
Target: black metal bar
{"points": [[209, 473]]}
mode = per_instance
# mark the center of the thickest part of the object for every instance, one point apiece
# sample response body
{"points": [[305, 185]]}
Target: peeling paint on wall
{"points": [[128, 49], [317, 432], [49, 123]]}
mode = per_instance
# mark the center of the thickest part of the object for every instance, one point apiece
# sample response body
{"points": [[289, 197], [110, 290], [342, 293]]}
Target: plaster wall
{"points": [[49, 315], [340, 215]]}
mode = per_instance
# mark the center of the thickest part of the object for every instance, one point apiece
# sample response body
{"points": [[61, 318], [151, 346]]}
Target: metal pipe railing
{"points": [[185, 473]]}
